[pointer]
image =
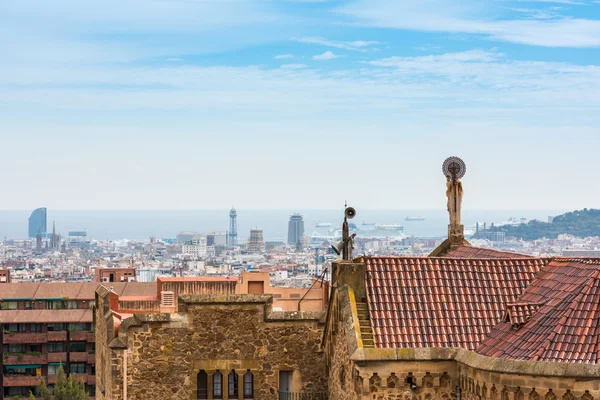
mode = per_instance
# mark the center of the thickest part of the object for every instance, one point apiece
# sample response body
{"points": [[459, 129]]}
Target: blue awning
{"points": [[25, 366]]}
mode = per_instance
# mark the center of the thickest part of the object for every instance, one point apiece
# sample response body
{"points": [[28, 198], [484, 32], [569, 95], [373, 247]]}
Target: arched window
{"points": [[202, 385], [217, 385], [232, 386], [248, 385]]}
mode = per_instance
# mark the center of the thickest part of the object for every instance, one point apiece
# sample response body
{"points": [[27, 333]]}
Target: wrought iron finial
{"points": [[454, 168]]}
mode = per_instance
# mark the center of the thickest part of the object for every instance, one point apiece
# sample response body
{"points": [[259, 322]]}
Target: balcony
{"points": [[51, 379], [58, 336], [91, 380], [91, 337], [91, 358], [57, 357], [79, 336], [24, 359], [22, 338], [21, 380], [79, 357], [80, 377], [302, 396]]}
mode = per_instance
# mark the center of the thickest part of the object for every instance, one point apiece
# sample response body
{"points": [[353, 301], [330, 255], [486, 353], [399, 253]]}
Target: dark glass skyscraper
{"points": [[295, 229], [37, 222]]}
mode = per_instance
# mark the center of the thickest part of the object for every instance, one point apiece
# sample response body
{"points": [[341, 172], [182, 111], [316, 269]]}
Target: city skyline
{"points": [[123, 110]]}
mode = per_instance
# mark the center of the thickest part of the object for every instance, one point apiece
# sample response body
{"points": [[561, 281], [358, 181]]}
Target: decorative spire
{"points": [[454, 168]]}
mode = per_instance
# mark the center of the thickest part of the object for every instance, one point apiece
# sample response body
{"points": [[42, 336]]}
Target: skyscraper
{"points": [[37, 222], [256, 242], [295, 229], [232, 235]]}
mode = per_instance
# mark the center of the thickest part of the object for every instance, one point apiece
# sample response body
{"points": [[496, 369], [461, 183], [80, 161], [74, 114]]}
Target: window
{"points": [[248, 385], [54, 304], [79, 327], [35, 328], [77, 368], [92, 304], [53, 368], [71, 304], [28, 305], [56, 347], [10, 305], [77, 347], [285, 381], [14, 348], [16, 327], [232, 386], [202, 385], [217, 385], [56, 327]]}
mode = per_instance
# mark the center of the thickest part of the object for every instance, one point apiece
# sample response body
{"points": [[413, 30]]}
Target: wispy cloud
{"points": [[465, 17], [357, 45], [293, 66], [283, 56], [328, 55]]}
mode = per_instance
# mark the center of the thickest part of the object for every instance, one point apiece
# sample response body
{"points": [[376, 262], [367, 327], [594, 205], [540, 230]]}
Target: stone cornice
{"points": [[480, 362]]}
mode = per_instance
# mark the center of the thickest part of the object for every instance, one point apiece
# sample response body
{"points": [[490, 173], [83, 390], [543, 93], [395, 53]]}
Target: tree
{"points": [[65, 389], [44, 392], [31, 396]]}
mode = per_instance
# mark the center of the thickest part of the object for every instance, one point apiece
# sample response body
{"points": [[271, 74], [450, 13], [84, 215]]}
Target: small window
{"points": [[202, 385], [56, 347], [232, 386], [71, 304], [54, 304], [56, 327], [16, 327], [36, 328], [77, 347], [28, 305], [14, 348], [53, 368], [77, 368], [217, 385], [10, 305], [248, 385], [79, 327]]}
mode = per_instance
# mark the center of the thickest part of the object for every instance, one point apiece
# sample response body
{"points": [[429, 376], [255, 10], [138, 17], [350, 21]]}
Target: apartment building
{"points": [[45, 325]]}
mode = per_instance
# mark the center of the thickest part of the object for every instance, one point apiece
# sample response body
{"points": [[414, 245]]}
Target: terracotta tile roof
{"points": [[566, 325], [200, 279], [479, 252], [441, 302]]}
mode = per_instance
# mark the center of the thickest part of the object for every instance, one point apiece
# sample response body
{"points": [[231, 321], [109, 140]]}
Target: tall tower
{"points": [[295, 229], [232, 235]]}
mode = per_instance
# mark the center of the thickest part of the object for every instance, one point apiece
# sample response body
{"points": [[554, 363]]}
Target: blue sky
{"points": [[171, 104]]}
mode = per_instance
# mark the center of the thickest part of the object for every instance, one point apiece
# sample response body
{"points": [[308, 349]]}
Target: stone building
{"points": [[464, 323], [213, 347]]}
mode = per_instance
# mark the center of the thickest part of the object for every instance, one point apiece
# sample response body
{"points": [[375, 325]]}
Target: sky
{"points": [[204, 104]]}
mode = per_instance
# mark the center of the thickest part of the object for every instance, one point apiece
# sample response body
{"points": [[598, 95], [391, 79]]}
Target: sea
{"points": [[166, 224]]}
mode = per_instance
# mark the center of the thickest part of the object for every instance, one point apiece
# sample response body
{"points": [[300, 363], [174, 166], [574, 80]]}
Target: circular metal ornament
{"points": [[454, 168]]}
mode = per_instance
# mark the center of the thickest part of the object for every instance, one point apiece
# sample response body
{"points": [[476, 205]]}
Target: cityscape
{"points": [[300, 200]]}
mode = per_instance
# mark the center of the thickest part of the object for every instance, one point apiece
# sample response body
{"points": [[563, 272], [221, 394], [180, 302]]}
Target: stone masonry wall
{"points": [[165, 358]]}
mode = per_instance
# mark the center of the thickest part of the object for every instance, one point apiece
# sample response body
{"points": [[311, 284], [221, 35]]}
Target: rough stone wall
{"points": [[165, 358], [435, 380], [342, 374], [103, 337], [478, 384]]}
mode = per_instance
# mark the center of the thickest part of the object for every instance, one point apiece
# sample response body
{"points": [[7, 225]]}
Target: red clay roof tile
{"points": [[442, 302], [564, 327]]}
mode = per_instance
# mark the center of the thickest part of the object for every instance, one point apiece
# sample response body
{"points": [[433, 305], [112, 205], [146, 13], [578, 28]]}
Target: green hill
{"points": [[581, 223]]}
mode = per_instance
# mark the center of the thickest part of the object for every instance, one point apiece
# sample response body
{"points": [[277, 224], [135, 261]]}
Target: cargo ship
{"points": [[414, 219]]}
